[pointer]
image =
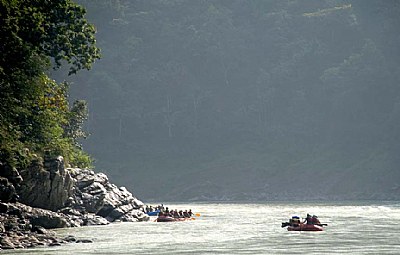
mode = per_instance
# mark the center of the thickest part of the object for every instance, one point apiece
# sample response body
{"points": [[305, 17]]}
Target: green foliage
{"points": [[34, 109], [77, 116], [55, 29]]}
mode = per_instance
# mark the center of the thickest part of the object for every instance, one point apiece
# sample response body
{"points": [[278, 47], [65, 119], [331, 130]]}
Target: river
{"points": [[246, 228]]}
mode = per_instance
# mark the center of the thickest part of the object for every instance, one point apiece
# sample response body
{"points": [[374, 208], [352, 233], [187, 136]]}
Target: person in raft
{"points": [[294, 221], [312, 220], [315, 220], [308, 220]]}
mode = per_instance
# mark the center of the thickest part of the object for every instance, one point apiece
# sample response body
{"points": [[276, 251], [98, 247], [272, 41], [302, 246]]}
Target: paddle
{"points": [[197, 214]]}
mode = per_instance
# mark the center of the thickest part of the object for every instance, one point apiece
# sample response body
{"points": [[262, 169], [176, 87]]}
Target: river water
{"points": [[246, 228]]}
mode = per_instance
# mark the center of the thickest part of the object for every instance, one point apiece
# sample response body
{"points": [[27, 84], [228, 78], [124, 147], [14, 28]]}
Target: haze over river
{"points": [[247, 228]]}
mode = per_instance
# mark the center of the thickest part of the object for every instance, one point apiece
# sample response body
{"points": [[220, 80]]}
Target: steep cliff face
{"points": [[46, 184]]}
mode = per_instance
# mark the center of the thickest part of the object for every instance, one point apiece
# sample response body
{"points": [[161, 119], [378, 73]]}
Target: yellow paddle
{"points": [[197, 214]]}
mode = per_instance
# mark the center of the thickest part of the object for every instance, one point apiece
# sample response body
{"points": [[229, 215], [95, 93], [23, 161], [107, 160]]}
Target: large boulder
{"points": [[49, 221], [38, 217], [95, 194], [119, 202], [11, 173], [46, 185], [7, 190], [88, 194]]}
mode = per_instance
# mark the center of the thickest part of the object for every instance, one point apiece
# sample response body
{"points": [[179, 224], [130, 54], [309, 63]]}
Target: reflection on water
{"points": [[240, 228]]}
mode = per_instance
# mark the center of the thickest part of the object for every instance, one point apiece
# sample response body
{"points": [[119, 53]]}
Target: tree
{"points": [[34, 109]]}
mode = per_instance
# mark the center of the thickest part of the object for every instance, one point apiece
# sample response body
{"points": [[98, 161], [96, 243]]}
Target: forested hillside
{"points": [[215, 99]]}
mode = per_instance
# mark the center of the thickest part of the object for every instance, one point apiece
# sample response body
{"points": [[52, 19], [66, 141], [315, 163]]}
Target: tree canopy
{"points": [[36, 35]]}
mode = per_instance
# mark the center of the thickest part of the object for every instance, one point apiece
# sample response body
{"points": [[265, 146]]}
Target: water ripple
{"points": [[240, 228]]}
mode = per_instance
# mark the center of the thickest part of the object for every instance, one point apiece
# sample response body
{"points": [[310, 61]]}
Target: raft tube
{"points": [[305, 227], [171, 219], [153, 213]]}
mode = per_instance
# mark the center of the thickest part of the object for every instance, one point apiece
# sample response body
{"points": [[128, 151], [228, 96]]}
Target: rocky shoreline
{"points": [[46, 196], [23, 226]]}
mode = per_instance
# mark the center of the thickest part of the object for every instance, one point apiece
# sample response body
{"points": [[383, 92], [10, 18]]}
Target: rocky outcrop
{"points": [[54, 197], [93, 193], [81, 195], [9, 179], [11, 173], [7, 190], [46, 184], [22, 226]]}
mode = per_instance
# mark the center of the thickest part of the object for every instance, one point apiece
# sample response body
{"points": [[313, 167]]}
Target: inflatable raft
{"points": [[171, 219], [295, 224], [305, 227], [153, 213]]}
